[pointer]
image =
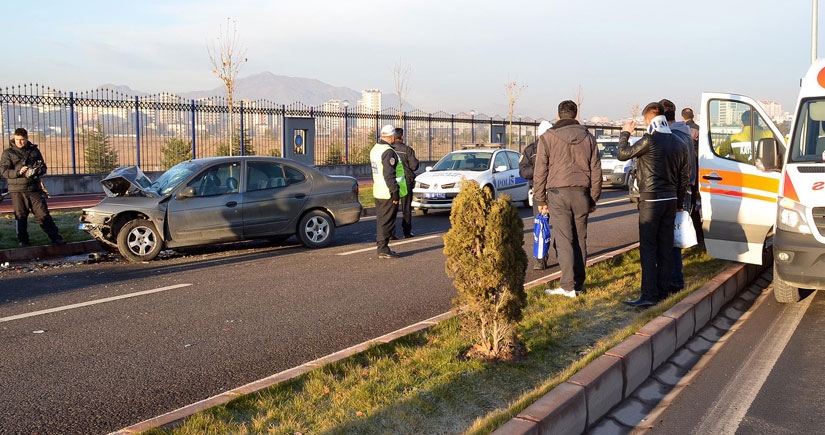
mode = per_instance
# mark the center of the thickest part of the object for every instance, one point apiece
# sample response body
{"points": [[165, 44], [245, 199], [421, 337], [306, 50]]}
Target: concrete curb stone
{"points": [[664, 335], [562, 410]]}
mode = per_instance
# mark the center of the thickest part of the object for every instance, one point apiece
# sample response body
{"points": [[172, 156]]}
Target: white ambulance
{"points": [[757, 190]]}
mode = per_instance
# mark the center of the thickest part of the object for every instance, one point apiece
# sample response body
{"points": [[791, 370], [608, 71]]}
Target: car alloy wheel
{"points": [[138, 240], [316, 229]]}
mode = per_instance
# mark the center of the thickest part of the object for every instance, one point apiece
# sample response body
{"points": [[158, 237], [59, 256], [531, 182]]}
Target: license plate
{"points": [[435, 195]]}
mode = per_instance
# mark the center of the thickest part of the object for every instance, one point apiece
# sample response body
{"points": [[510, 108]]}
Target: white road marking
{"points": [[413, 240], [88, 303], [732, 405]]}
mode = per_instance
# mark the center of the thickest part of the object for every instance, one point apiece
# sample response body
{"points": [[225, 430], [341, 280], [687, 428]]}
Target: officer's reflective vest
{"points": [[380, 189]]}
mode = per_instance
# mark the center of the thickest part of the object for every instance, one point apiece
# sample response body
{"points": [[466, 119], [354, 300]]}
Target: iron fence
{"points": [[70, 128]]}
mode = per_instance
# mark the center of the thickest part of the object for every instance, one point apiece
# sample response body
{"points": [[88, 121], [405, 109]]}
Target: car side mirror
{"points": [[501, 168], [187, 192], [768, 154], [428, 169]]}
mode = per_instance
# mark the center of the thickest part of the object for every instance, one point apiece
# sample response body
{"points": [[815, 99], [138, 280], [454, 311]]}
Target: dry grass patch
{"points": [[420, 384]]}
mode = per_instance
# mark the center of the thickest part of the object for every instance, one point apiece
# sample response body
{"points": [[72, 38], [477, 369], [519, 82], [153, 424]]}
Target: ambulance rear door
{"points": [[738, 180]]}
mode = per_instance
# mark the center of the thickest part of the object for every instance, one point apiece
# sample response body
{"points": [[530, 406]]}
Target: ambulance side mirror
{"points": [[768, 155]]}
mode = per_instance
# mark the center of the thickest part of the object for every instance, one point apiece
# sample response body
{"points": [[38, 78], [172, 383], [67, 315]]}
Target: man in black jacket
{"points": [[22, 165], [410, 163], [663, 173], [526, 165]]}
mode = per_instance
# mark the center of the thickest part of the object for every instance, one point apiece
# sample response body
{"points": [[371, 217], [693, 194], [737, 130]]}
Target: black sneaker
{"points": [[391, 254], [24, 244], [58, 242]]}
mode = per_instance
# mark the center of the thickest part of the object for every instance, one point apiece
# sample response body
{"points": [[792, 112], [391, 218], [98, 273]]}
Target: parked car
{"points": [[218, 200], [615, 173], [490, 165]]}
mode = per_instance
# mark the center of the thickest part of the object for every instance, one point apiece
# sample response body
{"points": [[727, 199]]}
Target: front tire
{"points": [[139, 240], [316, 229], [421, 211], [784, 292], [633, 188]]}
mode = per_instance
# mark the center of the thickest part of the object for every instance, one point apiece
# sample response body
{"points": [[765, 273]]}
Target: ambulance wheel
{"points": [[784, 292]]}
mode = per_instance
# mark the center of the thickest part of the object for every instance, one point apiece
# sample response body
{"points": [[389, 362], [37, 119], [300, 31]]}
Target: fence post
{"points": [[137, 130], [346, 133], [452, 133], [192, 105], [72, 131], [429, 136], [240, 136], [377, 128]]}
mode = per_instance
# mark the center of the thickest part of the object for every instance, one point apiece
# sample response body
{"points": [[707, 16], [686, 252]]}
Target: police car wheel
{"points": [[316, 229]]}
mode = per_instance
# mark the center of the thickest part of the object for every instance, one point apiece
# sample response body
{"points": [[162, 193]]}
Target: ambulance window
{"points": [[808, 144], [735, 129]]}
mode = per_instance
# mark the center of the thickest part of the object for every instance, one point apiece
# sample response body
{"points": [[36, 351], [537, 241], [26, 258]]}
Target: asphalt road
{"points": [[766, 379], [219, 317]]}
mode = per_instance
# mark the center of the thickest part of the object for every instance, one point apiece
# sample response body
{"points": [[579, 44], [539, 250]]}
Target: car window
{"points": [[293, 176], [217, 180], [808, 144], [265, 175], [513, 157], [608, 150], [501, 160], [735, 130]]}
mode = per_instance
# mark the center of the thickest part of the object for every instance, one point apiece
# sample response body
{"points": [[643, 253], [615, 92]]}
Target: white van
{"points": [[757, 190], [615, 173]]}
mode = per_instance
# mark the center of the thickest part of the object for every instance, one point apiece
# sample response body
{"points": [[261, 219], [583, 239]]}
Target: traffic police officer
{"points": [[388, 188]]}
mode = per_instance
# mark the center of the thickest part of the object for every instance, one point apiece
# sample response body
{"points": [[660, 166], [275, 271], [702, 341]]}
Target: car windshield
{"points": [[171, 178], [476, 161], [808, 142], [608, 151]]}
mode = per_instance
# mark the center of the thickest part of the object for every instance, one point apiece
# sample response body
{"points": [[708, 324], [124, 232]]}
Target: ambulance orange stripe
{"points": [[771, 199], [738, 179]]}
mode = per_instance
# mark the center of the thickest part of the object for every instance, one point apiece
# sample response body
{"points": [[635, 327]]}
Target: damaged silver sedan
{"points": [[219, 200]]}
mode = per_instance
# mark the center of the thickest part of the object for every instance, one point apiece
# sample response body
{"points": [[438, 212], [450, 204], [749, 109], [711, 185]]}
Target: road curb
{"points": [[49, 251], [638, 356]]}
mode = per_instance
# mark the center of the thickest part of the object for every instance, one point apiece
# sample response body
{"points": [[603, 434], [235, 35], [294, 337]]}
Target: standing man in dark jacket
{"points": [[22, 165], [388, 187], [567, 183], [407, 157], [695, 212], [663, 173], [526, 166]]}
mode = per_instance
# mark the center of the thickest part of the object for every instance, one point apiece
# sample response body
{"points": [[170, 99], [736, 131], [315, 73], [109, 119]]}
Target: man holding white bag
{"points": [[662, 168]]}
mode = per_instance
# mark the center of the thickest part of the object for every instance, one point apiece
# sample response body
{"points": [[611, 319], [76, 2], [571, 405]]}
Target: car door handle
{"points": [[712, 177], [231, 204], [300, 196]]}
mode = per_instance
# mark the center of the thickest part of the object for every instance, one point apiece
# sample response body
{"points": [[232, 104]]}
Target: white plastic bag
{"points": [[684, 235]]}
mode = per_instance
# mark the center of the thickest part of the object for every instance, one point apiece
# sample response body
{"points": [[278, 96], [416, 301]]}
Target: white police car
{"points": [[493, 167], [615, 173]]}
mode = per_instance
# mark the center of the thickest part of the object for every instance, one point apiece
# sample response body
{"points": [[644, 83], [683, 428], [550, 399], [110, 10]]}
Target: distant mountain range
{"points": [[277, 89]]}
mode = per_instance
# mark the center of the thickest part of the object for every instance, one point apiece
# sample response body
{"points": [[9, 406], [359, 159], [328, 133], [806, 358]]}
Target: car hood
{"points": [[128, 181], [442, 177]]}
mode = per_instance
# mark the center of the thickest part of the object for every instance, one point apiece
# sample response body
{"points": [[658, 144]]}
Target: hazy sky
{"points": [[461, 53]]}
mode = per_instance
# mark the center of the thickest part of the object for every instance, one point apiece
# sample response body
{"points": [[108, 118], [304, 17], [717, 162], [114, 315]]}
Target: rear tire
{"points": [[139, 240], [784, 292], [316, 229]]}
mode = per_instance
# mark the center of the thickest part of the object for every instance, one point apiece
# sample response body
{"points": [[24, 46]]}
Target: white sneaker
{"points": [[562, 292]]}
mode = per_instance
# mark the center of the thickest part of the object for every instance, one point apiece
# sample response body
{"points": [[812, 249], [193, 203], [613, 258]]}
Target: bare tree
{"points": [[401, 73], [227, 56], [634, 112], [514, 91], [579, 100]]}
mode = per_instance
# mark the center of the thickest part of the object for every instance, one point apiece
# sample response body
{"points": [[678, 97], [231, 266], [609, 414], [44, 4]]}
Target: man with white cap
{"points": [[526, 165], [388, 188]]}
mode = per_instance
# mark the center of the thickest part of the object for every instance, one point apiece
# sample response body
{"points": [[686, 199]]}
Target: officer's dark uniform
{"points": [[385, 185], [410, 162], [26, 191]]}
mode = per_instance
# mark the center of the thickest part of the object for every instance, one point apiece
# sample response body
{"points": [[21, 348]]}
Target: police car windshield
{"points": [[608, 151], [474, 161]]}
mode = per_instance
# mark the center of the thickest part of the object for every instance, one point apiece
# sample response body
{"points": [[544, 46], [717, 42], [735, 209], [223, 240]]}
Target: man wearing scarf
{"points": [[663, 175]]}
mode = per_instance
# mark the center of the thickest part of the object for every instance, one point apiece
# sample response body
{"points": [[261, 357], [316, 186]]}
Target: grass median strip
{"points": [[66, 221], [420, 384]]}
